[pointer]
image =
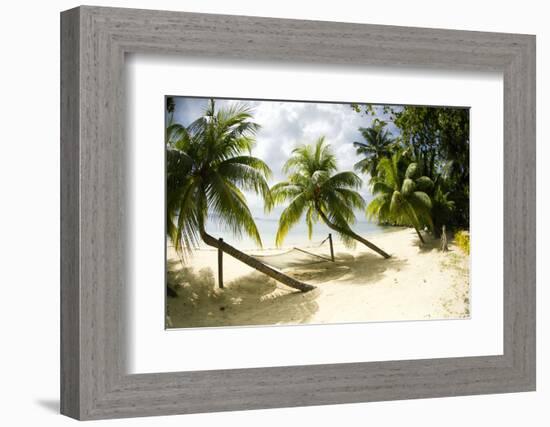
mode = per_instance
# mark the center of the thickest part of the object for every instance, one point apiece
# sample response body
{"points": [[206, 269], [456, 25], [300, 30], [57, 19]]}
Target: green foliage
{"points": [[437, 139], [315, 189], [462, 240], [208, 166], [378, 144], [170, 108], [398, 197], [434, 141], [442, 209]]}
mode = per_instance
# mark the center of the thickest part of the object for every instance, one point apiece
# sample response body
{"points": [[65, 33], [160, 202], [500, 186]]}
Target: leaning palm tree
{"points": [[314, 189], [401, 198], [377, 145], [208, 166]]}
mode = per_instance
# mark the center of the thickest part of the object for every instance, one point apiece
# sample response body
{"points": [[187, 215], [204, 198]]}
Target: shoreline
{"points": [[304, 244], [417, 283]]}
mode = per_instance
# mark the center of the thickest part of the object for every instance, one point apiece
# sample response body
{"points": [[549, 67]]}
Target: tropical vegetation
{"points": [[316, 189], [208, 167], [434, 142], [462, 240], [401, 197], [378, 144]]}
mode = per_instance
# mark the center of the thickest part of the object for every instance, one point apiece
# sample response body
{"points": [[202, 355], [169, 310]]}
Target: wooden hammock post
{"points": [[220, 264], [331, 247]]}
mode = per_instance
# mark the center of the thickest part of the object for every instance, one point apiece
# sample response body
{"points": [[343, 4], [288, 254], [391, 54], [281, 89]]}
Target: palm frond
{"points": [[388, 172], [345, 179], [228, 203], [210, 154], [282, 192], [310, 220], [248, 173], [408, 187], [379, 186], [424, 184], [351, 198], [412, 171], [290, 217], [183, 218]]}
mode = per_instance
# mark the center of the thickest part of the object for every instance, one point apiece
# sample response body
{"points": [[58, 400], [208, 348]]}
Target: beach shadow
{"points": [[253, 299], [320, 272], [431, 243], [362, 269]]}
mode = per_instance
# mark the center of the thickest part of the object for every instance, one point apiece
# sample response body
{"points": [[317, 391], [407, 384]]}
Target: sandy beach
{"points": [[416, 283]]}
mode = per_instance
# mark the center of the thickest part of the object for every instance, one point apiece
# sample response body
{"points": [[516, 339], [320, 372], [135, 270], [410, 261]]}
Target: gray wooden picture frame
{"points": [[94, 382]]}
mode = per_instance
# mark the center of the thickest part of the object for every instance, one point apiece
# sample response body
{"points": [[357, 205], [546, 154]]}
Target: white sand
{"points": [[417, 282]]}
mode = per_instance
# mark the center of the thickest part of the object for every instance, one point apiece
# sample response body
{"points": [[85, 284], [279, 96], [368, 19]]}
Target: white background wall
{"points": [[29, 212]]}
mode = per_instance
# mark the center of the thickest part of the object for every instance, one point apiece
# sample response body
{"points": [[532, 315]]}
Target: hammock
{"points": [[293, 257]]}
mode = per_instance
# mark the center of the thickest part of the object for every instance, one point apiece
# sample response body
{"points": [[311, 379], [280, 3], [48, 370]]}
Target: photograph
{"points": [[286, 212]]}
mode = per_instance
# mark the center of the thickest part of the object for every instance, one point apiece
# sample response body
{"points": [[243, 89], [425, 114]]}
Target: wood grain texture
{"points": [[70, 291], [94, 203]]}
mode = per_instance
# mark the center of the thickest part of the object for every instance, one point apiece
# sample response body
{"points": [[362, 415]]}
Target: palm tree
{"points": [[377, 146], [442, 207], [170, 108], [400, 198], [208, 166], [314, 189]]}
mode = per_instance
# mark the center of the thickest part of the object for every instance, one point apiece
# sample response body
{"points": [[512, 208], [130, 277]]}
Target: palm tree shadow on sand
{"points": [[363, 269], [252, 300], [433, 243], [255, 299]]}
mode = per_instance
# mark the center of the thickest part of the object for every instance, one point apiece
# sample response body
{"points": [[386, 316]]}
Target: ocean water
{"points": [[298, 235]]}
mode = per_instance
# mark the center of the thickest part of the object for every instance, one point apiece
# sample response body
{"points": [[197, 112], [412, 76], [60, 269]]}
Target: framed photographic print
{"points": [[276, 213], [280, 188]]}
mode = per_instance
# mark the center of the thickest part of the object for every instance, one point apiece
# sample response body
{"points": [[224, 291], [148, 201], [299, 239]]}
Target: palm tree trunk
{"points": [[349, 232], [419, 235], [254, 263]]}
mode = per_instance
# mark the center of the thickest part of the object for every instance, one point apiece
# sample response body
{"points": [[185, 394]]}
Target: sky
{"points": [[285, 125]]}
